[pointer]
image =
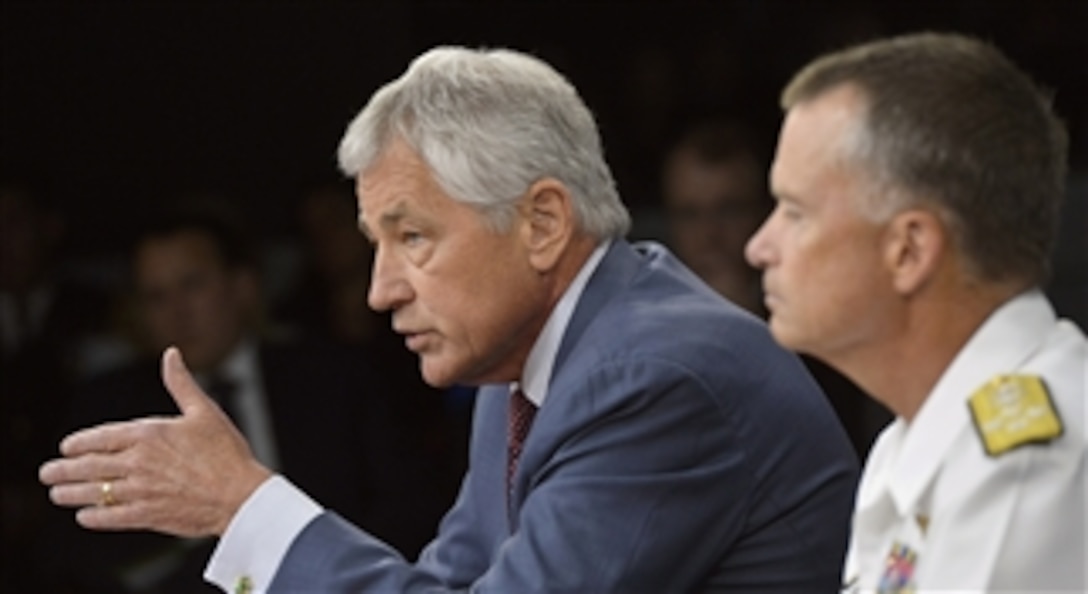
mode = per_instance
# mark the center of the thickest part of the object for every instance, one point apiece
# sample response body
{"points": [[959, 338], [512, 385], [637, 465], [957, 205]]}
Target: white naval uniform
{"points": [[938, 513]]}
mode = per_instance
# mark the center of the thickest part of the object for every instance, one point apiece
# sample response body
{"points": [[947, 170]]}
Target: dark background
{"points": [[124, 105], [118, 107]]}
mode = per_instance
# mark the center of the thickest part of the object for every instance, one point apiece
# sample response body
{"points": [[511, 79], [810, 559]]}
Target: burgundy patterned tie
{"points": [[520, 418]]}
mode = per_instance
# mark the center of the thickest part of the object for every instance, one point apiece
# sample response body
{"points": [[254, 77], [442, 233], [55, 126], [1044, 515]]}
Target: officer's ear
{"points": [[916, 247], [546, 217]]}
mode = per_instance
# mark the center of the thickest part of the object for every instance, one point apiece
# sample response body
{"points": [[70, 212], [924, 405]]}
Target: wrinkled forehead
{"points": [[401, 187]]}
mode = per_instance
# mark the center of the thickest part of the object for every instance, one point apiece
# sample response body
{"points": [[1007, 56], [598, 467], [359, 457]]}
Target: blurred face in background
{"points": [[329, 224], [28, 236], [713, 208], [340, 257], [191, 299]]}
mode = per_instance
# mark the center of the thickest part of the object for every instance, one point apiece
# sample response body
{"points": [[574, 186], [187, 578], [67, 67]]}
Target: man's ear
{"points": [[915, 247], [547, 222]]}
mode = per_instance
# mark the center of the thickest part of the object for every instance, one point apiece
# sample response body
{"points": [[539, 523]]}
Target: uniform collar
{"points": [[1004, 341]]}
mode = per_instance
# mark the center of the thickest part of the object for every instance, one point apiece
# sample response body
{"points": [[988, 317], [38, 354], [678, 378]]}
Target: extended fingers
{"points": [[116, 504], [105, 493], [124, 515], [139, 505], [110, 437], [88, 467]]}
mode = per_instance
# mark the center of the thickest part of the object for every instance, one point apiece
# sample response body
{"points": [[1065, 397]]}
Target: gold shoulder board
{"points": [[1013, 410]]}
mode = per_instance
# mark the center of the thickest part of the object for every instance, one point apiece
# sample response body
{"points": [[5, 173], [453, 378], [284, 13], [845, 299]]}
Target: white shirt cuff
{"points": [[251, 550]]}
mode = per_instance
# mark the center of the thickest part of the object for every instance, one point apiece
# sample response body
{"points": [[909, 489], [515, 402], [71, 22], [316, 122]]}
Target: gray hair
{"points": [[951, 121], [490, 123]]}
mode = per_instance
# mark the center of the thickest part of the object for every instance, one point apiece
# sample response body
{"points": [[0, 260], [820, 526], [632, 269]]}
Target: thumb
{"points": [[180, 383]]}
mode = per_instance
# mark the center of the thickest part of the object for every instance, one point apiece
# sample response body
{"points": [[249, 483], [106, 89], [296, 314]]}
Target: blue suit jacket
{"points": [[679, 449]]}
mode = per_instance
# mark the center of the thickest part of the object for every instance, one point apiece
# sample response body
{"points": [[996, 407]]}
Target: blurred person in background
{"points": [[715, 196], [48, 318], [714, 189], [300, 401], [329, 295]]}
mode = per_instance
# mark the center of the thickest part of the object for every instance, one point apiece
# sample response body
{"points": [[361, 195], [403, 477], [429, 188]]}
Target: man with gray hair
{"points": [[918, 182], [634, 431]]}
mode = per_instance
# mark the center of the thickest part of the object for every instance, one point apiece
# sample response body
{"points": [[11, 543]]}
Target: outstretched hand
{"points": [[185, 475]]}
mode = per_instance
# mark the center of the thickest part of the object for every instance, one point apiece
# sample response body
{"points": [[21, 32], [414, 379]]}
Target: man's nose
{"points": [[389, 289], [758, 250]]}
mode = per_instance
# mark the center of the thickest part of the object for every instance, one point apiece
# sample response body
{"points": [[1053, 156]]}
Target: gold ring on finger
{"points": [[106, 497]]}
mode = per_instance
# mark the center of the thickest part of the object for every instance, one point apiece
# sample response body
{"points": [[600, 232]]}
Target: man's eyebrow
{"points": [[388, 219]]}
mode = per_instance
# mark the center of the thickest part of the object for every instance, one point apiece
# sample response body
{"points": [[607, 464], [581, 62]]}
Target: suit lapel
{"points": [[615, 271]]}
